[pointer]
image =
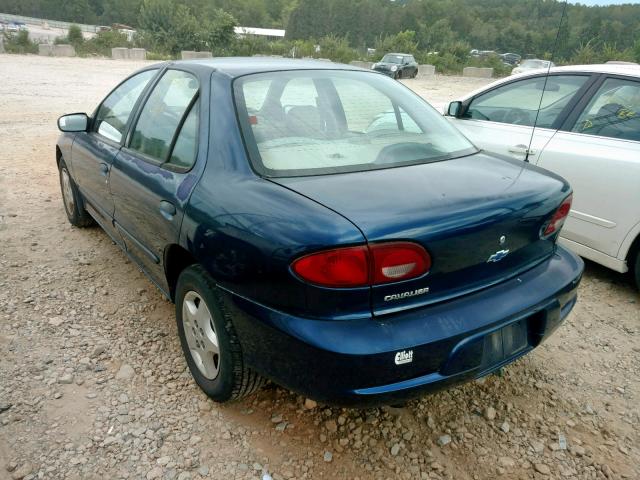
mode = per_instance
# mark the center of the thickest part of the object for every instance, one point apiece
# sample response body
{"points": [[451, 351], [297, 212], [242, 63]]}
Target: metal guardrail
{"points": [[7, 17]]}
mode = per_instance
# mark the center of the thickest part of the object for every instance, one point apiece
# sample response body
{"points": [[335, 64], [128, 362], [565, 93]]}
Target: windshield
{"points": [[310, 122], [392, 59], [535, 63]]}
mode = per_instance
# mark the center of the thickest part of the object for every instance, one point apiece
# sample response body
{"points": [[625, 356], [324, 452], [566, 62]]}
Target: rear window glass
{"points": [[311, 122]]}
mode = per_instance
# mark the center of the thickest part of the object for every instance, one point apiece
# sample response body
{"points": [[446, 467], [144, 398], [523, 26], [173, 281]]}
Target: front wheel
{"points": [[72, 199], [208, 339], [636, 269]]}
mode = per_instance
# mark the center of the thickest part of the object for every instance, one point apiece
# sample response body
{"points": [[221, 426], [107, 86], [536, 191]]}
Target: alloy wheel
{"points": [[201, 335], [67, 192]]}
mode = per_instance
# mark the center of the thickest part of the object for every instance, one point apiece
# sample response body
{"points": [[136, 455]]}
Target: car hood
{"points": [[386, 65], [458, 209]]}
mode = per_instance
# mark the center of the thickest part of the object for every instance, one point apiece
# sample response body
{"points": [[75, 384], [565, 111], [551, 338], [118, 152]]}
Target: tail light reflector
{"points": [[560, 215], [365, 265], [395, 261]]}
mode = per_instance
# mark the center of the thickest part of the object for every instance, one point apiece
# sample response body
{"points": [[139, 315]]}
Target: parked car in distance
{"points": [[307, 236], [397, 65], [588, 131], [532, 64], [511, 58]]}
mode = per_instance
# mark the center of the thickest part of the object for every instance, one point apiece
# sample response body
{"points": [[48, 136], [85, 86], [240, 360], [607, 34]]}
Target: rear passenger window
{"points": [[168, 104], [613, 112]]}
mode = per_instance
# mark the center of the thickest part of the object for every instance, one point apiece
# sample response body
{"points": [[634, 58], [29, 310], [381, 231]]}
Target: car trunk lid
{"points": [[479, 217]]}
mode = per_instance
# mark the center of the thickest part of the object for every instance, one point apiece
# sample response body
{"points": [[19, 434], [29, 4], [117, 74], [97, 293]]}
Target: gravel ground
{"points": [[93, 383]]}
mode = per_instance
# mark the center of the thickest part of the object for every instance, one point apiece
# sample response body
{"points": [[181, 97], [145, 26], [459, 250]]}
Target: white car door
{"points": [[501, 119], [598, 151]]}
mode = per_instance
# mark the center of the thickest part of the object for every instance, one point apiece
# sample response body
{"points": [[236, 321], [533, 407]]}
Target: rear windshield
{"points": [[312, 122]]}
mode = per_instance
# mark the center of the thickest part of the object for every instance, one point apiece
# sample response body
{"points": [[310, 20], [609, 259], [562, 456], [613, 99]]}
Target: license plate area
{"points": [[484, 350]]}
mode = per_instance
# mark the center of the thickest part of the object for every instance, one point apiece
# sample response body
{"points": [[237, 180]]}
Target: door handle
{"points": [[104, 169], [167, 210], [522, 149]]}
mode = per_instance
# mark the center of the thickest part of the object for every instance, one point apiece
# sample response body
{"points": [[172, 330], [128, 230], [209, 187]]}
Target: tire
{"points": [[415, 74], [636, 269], [398, 75], [223, 375], [72, 199]]}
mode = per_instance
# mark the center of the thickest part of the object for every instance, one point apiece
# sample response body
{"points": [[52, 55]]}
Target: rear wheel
{"points": [[208, 339], [72, 199]]}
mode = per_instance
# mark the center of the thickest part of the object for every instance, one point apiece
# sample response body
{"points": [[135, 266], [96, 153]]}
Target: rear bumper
{"points": [[360, 362]]}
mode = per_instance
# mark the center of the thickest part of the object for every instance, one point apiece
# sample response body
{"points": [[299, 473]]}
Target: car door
{"points": [[153, 175], [93, 152], [598, 151], [501, 119]]}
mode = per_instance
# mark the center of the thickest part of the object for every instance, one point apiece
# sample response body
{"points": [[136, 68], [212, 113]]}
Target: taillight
{"points": [[364, 265], [560, 215], [341, 267]]}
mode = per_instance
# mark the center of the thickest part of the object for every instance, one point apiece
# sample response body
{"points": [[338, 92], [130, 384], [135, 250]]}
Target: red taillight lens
{"points": [[560, 215], [364, 265], [342, 267], [392, 262]]}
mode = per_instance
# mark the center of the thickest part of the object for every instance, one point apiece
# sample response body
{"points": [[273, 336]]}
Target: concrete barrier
{"points": [[45, 49], [120, 53], [365, 65], [477, 72], [190, 55], [137, 54], [64, 51], [426, 70]]}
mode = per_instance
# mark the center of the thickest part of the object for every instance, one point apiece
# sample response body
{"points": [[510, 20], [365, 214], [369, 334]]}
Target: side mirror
{"points": [[74, 122], [455, 109]]}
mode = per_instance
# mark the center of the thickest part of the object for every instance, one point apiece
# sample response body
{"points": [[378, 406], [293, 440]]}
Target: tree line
{"points": [[441, 32]]}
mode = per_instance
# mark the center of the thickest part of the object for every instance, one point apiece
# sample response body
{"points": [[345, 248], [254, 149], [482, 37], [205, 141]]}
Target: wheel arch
{"points": [[634, 250], [176, 259], [630, 245], [58, 156]]}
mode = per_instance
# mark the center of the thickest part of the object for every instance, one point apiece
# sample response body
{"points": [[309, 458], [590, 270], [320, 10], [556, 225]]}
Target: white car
{"points": [[588, 131], [532, 64]]}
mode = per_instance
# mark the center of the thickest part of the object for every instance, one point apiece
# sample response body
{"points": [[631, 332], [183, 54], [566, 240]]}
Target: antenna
{"points": [[546, 78]]}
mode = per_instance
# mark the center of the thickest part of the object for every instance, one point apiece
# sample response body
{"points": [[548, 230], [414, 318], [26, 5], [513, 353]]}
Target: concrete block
{"points": [[477, 72], [365, 65], [190, 55], [120, 53], [426, 70], [45, 49], [137, 54], [64, 51]]}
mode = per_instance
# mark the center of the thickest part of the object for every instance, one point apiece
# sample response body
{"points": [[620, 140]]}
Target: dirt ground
{"points": [[93, 384]]}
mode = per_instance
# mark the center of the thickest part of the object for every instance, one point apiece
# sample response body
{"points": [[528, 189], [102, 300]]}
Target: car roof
{"points": [[610, 68], [238, 66]]}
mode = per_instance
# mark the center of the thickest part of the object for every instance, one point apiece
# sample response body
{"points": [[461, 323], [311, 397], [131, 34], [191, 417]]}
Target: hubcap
{"points": [[67, 192], [201, 335]]}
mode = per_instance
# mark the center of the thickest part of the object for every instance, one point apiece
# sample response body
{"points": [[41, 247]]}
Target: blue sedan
{"points": [[320, 226]]}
